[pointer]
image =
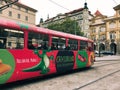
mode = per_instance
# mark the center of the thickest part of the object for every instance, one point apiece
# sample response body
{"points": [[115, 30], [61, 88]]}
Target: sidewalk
{"points": [[109, 57]]}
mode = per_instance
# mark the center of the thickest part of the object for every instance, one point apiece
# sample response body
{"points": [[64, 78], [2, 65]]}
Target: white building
{"points": [[81, 15]]}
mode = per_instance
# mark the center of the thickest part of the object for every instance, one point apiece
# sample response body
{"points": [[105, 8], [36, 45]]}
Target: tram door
{"points": [[64, 61]]}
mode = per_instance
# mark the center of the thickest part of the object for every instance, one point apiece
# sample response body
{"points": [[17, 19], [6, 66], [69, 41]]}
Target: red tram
{"points": [[28, 51]]}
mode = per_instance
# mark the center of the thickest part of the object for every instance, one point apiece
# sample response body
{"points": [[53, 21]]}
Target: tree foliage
{"points": [[67, 26]]}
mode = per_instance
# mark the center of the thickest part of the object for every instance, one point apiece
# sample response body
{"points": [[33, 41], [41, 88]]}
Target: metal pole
{"points": [[99, 42], [75, 26]]}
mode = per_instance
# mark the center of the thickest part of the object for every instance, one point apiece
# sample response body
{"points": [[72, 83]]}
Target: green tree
{"points": [[67, 26]]}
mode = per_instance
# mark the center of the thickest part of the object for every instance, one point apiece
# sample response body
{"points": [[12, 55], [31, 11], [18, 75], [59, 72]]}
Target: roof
{"points": [[98, 13], [25, 6], [50, 19], [111, 18], [75, 11], [71, 12], [117, 7]]}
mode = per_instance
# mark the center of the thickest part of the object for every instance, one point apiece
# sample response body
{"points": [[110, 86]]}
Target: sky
{"points": [[54, 7]]}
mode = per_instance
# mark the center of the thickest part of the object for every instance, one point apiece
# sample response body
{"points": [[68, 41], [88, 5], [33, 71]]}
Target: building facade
{"points": [[105, 31], [19, 12], [98, 29], [81, 15]]}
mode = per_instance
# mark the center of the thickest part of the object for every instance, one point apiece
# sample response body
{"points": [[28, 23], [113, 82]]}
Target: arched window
{"points": [[102, 29], [112, 24]]}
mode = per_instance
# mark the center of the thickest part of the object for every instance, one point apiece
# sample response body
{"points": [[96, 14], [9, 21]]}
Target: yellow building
{"points": [[19, 12], [105, 31]]}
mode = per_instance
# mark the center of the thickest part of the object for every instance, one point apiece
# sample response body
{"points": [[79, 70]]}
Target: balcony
{"points": [[112, 29]]}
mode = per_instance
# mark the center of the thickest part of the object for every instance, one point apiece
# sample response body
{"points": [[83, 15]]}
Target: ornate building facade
{"points": [[105, 31]]}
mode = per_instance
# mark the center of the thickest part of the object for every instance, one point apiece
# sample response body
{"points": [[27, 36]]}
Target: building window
{"points": [[102, 37], [19, 8], [26, 18], [93, 31], [119, 12], [119, 24], [112, 24], [112, 35], [9, 43], [10, 13], [102, 29], [86, 27], [0, 12], [80, 21], [10, 5], [1, 2], [26, 10], [19, 16], [94, 38], [79, 16]]}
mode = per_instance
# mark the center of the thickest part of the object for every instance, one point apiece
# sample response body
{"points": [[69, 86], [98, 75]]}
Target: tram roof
{"points": [[24, 27]]}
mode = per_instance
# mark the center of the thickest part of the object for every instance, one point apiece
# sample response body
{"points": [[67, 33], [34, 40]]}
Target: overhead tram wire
{"points": [[8, 3], [115, 2], [59, 5]]}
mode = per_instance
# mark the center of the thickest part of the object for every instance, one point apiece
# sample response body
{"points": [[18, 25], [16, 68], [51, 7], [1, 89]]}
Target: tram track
{"points": [[98, 79], [106, 64], [103, 76]]}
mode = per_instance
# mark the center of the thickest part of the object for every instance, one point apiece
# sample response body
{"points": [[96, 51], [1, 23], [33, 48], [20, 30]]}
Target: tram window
{"points": [[11, 39], [83, 44], [59, 43], [90, 46], [73, 44], [37, 40]]}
